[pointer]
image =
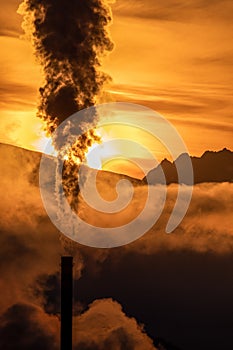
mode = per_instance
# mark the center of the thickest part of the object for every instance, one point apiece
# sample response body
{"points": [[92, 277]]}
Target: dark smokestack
{"points": [[66, 302]]}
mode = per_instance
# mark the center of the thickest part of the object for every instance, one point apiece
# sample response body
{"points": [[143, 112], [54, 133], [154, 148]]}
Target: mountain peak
{"points": [[212, 166]]}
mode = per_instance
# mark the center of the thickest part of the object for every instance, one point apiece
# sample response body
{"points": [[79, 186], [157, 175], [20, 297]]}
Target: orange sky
{"points": [[174, 57]]}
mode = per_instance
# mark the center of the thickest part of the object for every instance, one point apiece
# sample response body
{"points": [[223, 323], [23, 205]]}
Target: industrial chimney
{"points": [[66, 302]]}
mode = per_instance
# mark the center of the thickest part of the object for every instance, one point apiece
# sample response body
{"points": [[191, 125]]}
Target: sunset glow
{"points": [[116, 153], [178, 71]]}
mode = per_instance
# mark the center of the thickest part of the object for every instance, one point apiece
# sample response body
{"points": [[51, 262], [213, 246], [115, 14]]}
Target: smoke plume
{"points": [[70, 39]]}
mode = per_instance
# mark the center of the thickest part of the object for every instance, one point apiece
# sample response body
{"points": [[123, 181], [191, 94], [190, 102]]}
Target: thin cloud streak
{"points": [[174, 10]]}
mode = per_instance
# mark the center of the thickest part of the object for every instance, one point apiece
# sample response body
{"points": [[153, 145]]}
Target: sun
{"points": [[93, 157], [101, 153], [98, 154]]}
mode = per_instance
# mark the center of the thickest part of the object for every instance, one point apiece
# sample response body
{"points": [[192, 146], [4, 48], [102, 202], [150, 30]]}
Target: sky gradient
{"points": [[162, 291], [173, 57]]}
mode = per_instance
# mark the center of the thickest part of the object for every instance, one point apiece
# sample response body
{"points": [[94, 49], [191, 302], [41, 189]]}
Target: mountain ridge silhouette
{"points": [[212, 166]]}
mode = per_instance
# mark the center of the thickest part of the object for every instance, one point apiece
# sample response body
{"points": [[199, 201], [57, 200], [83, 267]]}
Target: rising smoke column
{"points": [[70, 38]]}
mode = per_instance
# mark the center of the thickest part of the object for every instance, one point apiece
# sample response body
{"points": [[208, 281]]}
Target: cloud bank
{"points": [[31, 249]]}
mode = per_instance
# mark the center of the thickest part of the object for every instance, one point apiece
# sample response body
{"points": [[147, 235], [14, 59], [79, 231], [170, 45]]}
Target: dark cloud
{"points": [[120, 331], [25, 326], [70, 38], [47, 289], [179, 285], [181, 296]]}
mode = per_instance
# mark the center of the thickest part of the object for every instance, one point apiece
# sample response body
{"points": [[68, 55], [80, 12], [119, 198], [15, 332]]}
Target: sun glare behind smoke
{"points": [[93, 158], [45, 145], [71, 60], [99, 154], [96, 156], [92, 161]]}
